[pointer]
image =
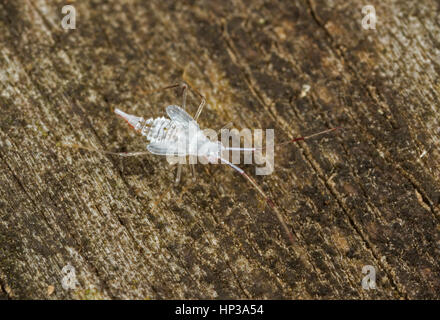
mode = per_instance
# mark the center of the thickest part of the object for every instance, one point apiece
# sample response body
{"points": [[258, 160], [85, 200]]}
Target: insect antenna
{"points": [[121, 154], [285, 142], [305, 137]]}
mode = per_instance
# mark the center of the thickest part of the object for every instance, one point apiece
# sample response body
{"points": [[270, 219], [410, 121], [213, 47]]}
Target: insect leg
{"points": [[184, 94], [193, 171], [202, 103], [178, 174], [164, 88], [268, 200], [176, 85], [185, 88]]}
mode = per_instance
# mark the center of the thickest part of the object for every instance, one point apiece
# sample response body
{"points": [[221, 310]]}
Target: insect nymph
{"points": [[180, 135]]}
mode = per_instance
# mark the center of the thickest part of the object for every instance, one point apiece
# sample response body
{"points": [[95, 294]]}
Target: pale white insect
{"points": [[179, 135], [172, 137]]}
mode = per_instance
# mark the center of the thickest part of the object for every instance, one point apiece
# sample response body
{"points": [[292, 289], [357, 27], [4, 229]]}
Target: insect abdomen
{"points": [[159, 130]]}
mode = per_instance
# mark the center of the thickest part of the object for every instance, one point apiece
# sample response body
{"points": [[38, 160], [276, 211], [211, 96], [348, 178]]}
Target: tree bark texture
{"points": [[368, 195]]}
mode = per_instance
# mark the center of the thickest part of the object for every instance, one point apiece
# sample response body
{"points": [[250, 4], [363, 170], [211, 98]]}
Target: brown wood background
{"points": [[368, 195]]}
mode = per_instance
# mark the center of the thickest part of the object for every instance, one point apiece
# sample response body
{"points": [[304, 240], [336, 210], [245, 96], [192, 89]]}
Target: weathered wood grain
{"points": [[369, 195]]}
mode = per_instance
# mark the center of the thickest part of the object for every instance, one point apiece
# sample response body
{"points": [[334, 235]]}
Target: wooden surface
{"points": [[368, 195]]}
